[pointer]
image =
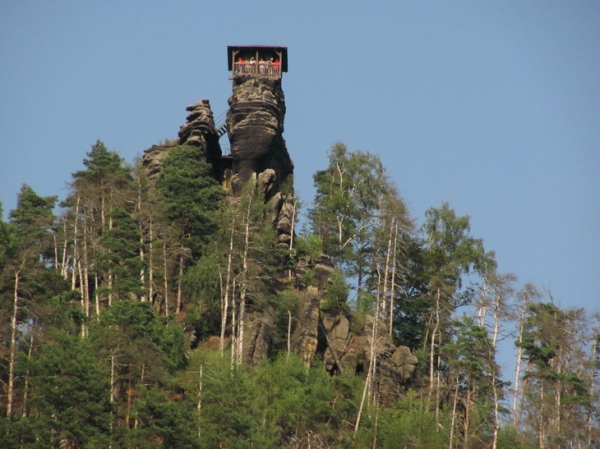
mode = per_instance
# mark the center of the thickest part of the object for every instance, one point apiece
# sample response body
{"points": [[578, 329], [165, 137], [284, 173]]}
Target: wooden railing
{"points": [[267, 69]]}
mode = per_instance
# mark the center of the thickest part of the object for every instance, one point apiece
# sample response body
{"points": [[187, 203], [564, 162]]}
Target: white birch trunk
{"points": [[453, 420], [244, 285], [64, 269], [227, 290], [519, 361], [166, 283], [26, 387], [372, 361], [13, 346], [151, 264], [393, 283], [179, 280], [199, 406]]}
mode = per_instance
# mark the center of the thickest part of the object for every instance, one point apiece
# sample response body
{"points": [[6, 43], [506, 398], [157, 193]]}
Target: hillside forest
{"points": [[124, 311]]}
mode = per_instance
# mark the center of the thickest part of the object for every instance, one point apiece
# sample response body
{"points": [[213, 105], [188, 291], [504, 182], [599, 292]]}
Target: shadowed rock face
{"points": [[198, 131], [396, 365], [258, 153], [255, 127]]}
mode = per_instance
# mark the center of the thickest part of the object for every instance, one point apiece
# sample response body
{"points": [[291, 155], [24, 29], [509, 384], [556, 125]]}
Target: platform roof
{"points": [[282, 50]]}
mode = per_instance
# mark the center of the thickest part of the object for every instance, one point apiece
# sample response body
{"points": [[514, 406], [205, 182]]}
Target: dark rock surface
{"points": [[395, 365], [255, 127], [198, 131]]}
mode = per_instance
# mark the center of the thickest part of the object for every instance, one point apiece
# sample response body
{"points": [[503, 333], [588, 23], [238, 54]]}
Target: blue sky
{"points": [[491, 106]]}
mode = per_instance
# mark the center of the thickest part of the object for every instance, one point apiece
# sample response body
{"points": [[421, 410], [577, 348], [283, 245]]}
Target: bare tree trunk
{"points": [[179, 280], [110, 273], [13, 345], [85, 279], [56, 265], [75, 247], [199, 406], [143, 298], [64, 269], [227, 290], [541, 430], [519, 361], [432, 346], [166, 285], [82, 290], [453, 421], [96, 295], [372, 360], [522, 400], [393, 284], [385, 273], [244, 285], [496, 413], [26, 387], [467, 417], [482, 306], [362, 402], [293, 230], [151, 264], [289, 336], [496, 332], [233, 327]]}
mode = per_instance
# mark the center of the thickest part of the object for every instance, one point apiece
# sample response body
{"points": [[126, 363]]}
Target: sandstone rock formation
{"points": [[345, 350], [255, 127], [259, 154], [198, 131]]}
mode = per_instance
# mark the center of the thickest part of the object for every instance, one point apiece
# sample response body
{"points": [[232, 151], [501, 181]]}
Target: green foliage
{"points": [[451, 251], [296, 401], [128, 378], [121, 255], [508, 438], [190, 195], [33, 220], [348, 192], [102, 166], [69, 394], [336, 294], [153, 343], [410, 425], [310, 245], [202, 285], [227, 416], [164, 421]]}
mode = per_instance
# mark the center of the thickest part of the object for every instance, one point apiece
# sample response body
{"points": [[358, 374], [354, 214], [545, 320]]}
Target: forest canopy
{"points": [[125, 311]]}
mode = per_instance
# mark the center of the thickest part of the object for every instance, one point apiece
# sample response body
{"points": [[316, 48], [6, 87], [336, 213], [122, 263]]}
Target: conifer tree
{"points": [[120, 255], [190, 195]]}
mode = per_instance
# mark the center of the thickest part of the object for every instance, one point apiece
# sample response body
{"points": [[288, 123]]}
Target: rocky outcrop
{"points": [[258, 151], [305, 338], [258, 339], [198, 131], [344, 346], [395, 365], [154, 156], [320, 268], [255, 128]]}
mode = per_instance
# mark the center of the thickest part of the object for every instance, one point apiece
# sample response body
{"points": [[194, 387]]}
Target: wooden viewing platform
{"points": [[257, 60]]}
